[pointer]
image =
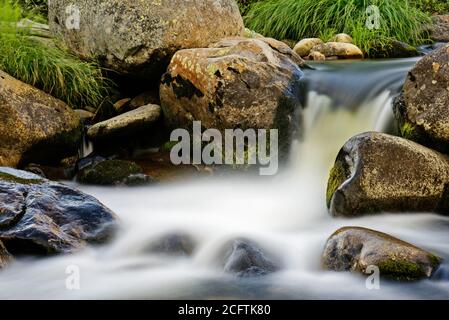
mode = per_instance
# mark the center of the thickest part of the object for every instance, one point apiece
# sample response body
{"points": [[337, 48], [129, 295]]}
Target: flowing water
{"points": [[285, 215]]}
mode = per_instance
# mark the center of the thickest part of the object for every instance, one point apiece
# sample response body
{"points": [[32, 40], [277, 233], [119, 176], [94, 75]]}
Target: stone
{"points": [[422, 108], [247, 259], [145, 98], [139, 38], [5, 256], [340, 49], [236, 83], [376, 173], [113, 172], [41, 217], [316, 56], [85, 116], [359, 249], [34, 126], [126, 124], [440, 29], [343, 38], [303, 47], [175, 244]]}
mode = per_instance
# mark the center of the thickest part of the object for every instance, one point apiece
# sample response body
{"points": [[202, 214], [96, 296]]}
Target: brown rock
{"points": [[339, 49], [304, 46], [440, 30]]}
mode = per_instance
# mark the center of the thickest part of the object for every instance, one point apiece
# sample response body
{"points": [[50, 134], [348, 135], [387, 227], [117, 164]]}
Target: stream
{"points": [[286, 215]]}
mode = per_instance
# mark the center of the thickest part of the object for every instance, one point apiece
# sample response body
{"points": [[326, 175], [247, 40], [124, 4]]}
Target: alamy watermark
{"points": [[237, 147]]}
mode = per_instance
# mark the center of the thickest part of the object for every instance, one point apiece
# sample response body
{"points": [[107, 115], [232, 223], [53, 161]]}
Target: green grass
{"points": [[298, 19], [41, 63]]}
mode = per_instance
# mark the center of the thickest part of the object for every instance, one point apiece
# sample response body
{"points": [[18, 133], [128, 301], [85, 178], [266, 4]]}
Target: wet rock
{"points": [[440, 29], [236, 83], [343, 38], [376, 172], [304, 46], [340, 50], [34, 126], [356, 249], [421, 110], [5, 256], [126, 124], [40, 217], [177, 244], [139, 38], [113, 172], [246, 259]]}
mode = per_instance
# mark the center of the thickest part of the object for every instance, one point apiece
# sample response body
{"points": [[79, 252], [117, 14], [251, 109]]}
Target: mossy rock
{"points": [[113, 172], [356, 249]]}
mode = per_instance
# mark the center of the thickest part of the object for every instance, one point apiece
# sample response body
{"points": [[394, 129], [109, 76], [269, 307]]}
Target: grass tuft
{"points": [[42, 64], [298, 19]]}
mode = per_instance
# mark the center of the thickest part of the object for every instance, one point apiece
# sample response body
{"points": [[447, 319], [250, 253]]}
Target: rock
{"points": [[247, 33], [145, 98], [178, 244], [246, 259], [126, 124], [139, 38], [316, 56], [440, 29], [113, 172], [395, 49], [85, 116], [340, 50], [356, 249], [34, 126], [236, 83], [5, 256], [343, 38], [122, 105], [422, 108], [289, 42], [376, 172], [41, 217], [304, 46]]}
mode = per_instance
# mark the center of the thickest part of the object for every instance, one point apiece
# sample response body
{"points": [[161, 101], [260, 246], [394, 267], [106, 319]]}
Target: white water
{"points": [[285, 215]]}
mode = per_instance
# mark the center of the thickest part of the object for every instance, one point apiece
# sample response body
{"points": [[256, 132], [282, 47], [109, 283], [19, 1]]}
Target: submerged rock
{"points": [[304, 46], [236, 83], [356, 249], [178, 244], [34, 126], [133, 122], [40, 217], [422, 108], [113, 172], [376, 172], [440, 29], [246, 259], [139, 37], [339, 49]]}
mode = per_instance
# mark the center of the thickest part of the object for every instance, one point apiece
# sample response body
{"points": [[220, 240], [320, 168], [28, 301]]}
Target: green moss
{"points": [[407, 130], [337, 176], [109, 172], [435, 261], [10, 178], [401, 270]]}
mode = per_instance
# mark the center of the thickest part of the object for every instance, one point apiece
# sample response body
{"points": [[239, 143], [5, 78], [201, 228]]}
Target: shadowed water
{"points": [[286, 215]]}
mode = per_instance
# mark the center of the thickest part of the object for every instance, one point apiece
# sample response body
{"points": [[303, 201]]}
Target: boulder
{"points": [[316, 56], [440, 29], [85, 116], [304, 46], [34, 126], [236, 83], [113, 172], [395, 49], [356, 249], [343, 38], [126, 124], [376, 172], [339, 49], [139, 37], [247, 259], [41, 217], [175, 244], [422, 108]]}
